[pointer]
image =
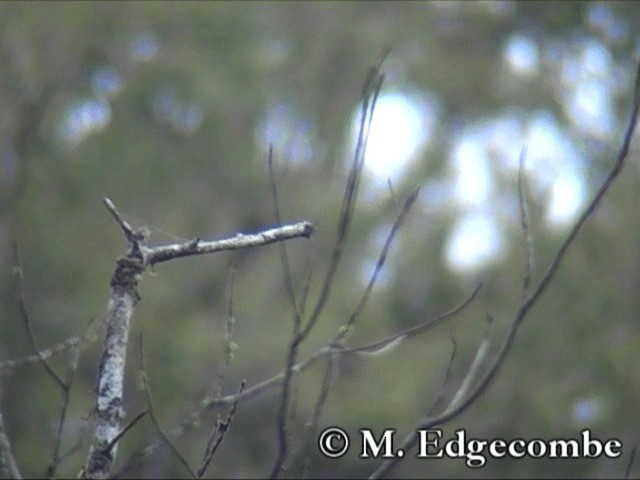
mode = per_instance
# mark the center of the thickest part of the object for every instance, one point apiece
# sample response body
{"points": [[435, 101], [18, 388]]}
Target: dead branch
{"points": [[154, 419], [63, 385], [124, 297], [524, 222], [217, 436]]}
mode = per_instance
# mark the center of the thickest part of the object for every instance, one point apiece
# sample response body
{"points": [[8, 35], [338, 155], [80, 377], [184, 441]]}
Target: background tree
{"points": [[169, 110]]}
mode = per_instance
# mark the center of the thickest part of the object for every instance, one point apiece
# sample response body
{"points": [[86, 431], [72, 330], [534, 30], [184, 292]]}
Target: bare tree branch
{"points": [[474, 368], [284, 258], [124, 431], [217, 436], [446, 379], [63, 385], [165, 438], [378, 347], [66, 391], [111, 370], [404, 211], [124, 297], [71, 343], [483, 383], [524, 222], [229, 344], [317, 412], [371, 91], [199, 247], [27, 324], [128, 230], [292, 350]]}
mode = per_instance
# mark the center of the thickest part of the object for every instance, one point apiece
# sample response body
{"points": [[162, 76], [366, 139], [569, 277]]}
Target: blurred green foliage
{"points": [[175, 136]]}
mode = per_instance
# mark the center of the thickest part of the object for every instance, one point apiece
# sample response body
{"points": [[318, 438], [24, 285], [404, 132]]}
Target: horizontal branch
{"points": [[164, 253]]}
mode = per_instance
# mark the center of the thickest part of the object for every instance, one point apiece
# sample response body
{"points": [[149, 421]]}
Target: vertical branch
{"points": [[111, 370], [370, 93], [524, 223], [371, 90], [217, 436], [152, 413], [51, 470], [124, 296], [317, 411], [292, 350], [404, 211], [229, 345], [288, 281]]}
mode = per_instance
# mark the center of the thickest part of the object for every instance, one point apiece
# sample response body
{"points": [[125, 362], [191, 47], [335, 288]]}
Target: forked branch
{"points": [[124, 297]]}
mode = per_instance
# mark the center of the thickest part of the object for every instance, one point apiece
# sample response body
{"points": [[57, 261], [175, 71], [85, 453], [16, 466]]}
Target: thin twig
{"points": [[27, 324], [371, 90], [73, 367], [165, 438], [70, 343], [122, 433], [472, 373], [63, 385], [344, 222], [305, 289], [378, 267], [394, 197], [284, 258], [217, 436], [317, 412], [283, 408], [615, 170], [378, 347], [80, 441], [126, 227], [292, 350], [229, 345], [446, 380], [528, 241]]}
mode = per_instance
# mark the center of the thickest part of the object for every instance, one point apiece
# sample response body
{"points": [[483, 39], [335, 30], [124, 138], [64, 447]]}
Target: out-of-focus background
{"points": [[169, 108]]}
